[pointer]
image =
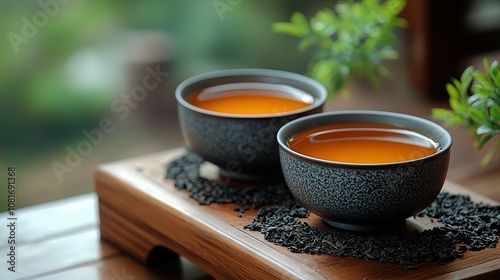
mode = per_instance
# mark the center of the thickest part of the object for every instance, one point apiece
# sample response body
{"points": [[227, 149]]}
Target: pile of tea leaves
{"points": [[186, 172], [466, 225]]}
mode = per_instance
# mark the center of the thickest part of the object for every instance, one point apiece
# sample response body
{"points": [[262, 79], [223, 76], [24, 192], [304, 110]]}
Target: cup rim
{"points": [[269, 74], [287, 130]]}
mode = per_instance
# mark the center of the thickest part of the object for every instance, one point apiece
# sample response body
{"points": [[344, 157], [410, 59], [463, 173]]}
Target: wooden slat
{"points": [[59, 253], [213, 236], [124, 268], [485, 270], [54, 218]]}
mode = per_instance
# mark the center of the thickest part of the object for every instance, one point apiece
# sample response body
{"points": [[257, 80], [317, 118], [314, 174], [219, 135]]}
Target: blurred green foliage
{"points": [[64, 62], [350, 41], [60, 60], [39, 103]]}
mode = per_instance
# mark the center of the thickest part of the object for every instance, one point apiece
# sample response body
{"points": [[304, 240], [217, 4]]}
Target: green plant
{"points": [[475, 104], [350, 41]]}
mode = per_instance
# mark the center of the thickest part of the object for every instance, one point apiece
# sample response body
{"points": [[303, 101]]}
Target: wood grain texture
{"points": [[140, 209], [123, 268], [59, 253], [58, 218]]}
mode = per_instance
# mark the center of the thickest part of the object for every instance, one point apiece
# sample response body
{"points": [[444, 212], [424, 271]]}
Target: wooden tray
{"points": [[141, 210]]}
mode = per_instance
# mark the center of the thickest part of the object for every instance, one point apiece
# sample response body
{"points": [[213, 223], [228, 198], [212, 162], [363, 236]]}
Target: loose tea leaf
{"points": [[280, 225], [476, 225]]}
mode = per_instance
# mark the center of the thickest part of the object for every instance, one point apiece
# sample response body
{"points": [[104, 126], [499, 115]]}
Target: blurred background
{"points": [[65, 66]]}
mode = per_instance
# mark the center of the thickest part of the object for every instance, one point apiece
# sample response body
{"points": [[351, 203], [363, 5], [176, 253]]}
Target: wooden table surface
{"points": [[61, 240]]}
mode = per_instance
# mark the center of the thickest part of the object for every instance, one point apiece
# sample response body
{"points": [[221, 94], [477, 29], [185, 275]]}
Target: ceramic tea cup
{"points": [[243, 144], [364, 196]]}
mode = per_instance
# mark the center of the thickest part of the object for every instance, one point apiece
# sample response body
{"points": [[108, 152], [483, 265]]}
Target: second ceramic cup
{"points": [[242, 144]]}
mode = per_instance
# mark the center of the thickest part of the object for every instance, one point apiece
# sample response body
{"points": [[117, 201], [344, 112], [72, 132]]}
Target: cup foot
{"points": [[243, 176], [366, 227]]}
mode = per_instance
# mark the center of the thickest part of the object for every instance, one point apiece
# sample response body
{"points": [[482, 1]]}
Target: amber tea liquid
{"points": [[251, 98], [362, 143]]}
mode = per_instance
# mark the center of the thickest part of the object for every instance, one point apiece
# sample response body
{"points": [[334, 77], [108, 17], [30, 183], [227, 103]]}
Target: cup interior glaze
{"points": [[243, 146], [277, 77], [358, 196], [426, 127]]}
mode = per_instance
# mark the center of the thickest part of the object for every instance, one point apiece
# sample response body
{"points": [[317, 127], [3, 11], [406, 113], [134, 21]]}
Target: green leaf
{"points": [[494, 74], [442, 114], [489, 155], [307, 42], [494, 64], [466, 80], [456, 83], [388, 53], [486, 65], [484, 129], [474, 100], [495, 113], [482, 80], [458, 106], [467, 73], [324, 70], [478, 116], [481, 141], [399, 22], [297, 26], [395, 6], [449, 118], [323, 23], [300, 20], [289, 29], [453, 91]]}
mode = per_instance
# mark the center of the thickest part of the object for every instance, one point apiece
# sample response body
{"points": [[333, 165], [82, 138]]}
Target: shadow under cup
{"points": [[244, 147]]}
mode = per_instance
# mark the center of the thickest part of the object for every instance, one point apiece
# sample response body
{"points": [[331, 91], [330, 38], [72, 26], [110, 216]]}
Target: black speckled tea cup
{"points": [[243, 146], [365, 197]]}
